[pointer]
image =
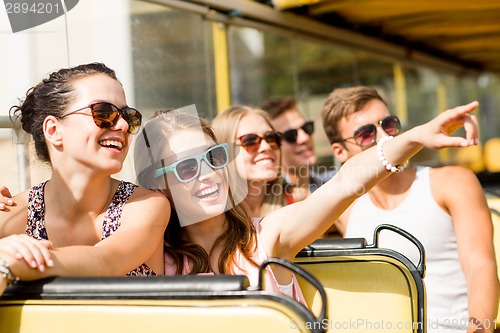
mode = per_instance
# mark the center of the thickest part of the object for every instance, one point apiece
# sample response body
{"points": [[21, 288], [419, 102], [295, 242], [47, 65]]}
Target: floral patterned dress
{"points": [[35, 226]]}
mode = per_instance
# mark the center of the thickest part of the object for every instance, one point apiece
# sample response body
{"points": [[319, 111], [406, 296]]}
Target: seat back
{"points": [[149, 304], [369, 289]]}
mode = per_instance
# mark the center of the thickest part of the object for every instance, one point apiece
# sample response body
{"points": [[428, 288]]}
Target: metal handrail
{"points": [[21, 139]]}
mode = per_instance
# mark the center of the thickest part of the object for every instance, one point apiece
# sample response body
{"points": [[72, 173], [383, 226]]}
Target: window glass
{"points": [[172, 59]]}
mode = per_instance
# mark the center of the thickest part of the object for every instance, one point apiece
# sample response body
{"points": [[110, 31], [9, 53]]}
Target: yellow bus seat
{"points": [[369, 289], [492, 154], [149, 304], [471, 157]]}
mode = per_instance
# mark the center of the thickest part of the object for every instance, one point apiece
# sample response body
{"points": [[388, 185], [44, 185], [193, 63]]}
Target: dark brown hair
{"points": [[50, 98], [276, 107]]}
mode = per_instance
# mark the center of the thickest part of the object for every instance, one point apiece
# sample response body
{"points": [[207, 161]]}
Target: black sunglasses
{"points": [[189, 168], [251, 142], [366, 135], [292, 134], [106, 115]]}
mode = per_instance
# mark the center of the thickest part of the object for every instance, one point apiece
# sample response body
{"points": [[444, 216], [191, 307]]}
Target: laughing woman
{"points": [[210, 232], [81, 222]]}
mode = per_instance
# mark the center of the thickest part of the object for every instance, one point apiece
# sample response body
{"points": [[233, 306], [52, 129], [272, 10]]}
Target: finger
{"points": [[4, 191], [7, 248], [461, 110], [471, 127], [40, 251], [46, 243], [5, 203], [44, 246], [20, 250], [31, 250]]}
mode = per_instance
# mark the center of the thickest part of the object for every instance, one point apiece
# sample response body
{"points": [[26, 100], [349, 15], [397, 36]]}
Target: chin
{"points": [[267, 177], [311, 161]]}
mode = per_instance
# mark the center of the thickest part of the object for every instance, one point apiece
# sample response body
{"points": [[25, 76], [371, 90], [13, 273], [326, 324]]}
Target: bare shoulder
{"points": [[456, 186], [13, 218], [149, 198], [141, 193], [453, 176]]}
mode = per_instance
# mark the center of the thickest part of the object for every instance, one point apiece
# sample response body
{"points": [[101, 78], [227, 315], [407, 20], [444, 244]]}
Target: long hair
{"points": [[226, 125], [239, 233]]}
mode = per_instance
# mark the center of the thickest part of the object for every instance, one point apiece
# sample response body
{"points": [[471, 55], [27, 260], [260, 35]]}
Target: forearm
{"points": [[366, 169], [483, 298], [75, 261]]}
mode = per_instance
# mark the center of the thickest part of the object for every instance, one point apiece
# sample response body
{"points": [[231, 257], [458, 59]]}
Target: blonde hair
{"points": [[226, 125], [240, 233]]}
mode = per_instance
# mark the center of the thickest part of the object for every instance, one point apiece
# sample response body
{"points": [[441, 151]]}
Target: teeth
{"points": [[111, 144], [266, 161], [210, 191]]}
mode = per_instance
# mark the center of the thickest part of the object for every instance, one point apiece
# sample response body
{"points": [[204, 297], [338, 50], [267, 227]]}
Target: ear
{"points": [[340, 152], [52, 130]]}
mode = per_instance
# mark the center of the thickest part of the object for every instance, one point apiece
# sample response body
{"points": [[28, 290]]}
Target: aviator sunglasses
{"points": [[366, 135], [106, 115], [251, 142], [189, 168], [292, 134]]}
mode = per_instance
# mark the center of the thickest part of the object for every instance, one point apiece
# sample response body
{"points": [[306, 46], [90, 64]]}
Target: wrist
{"points": [[387, 165], [6, 274]]}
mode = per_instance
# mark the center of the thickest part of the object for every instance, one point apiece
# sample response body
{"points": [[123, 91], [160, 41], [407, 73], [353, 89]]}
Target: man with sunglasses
{"points": [[297, 149], [444, 208]]}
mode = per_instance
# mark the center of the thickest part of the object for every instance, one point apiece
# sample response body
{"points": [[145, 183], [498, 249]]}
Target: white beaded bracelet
{"points": [[385, 163], [7, 274]]}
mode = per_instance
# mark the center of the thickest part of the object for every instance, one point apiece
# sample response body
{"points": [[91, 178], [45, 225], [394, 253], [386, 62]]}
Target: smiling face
{"points": [[371, 113], [263, 164], [206, 195], [301, 153], [82, 139]]}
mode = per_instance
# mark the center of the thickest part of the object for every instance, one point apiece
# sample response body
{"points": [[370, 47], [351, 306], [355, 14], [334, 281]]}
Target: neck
{"points": [[76, 195], [300, 179], [255, 197], [205, 233], [391, 191]]}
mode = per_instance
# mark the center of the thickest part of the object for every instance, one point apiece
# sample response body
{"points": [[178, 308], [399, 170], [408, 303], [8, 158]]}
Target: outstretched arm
{"points": [[286, 231]]}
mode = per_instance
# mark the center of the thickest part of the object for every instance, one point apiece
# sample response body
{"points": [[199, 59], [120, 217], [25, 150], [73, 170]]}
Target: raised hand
{"points": [[437, 133]]}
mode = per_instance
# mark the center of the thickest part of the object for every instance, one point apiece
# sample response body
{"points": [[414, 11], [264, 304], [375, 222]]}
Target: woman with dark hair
{"points": [[81, 222]]}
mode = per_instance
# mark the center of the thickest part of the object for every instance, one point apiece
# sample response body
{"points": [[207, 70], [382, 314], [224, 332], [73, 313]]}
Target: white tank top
{"points": [[422, 217]]}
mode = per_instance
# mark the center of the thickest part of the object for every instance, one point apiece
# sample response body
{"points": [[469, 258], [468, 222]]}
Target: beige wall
{"points": [[94, 30]]}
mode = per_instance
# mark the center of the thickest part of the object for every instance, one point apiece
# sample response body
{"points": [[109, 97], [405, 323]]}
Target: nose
{"points": [[302, 136], [205, 171], [264, 145], [380, 132], [121, 124]]}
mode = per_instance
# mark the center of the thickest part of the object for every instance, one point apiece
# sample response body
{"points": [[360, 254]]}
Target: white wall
{"points": [[94, 30]]}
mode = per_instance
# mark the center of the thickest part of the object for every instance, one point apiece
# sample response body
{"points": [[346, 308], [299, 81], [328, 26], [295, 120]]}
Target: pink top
{"points": [[247, 269]]}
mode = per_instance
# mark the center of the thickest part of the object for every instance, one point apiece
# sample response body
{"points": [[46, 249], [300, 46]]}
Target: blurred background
{"points": [[422, 56]]}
